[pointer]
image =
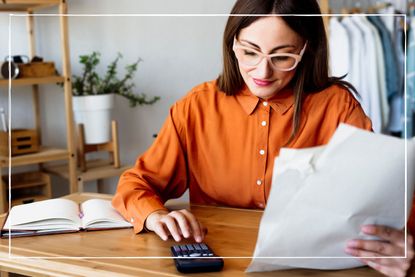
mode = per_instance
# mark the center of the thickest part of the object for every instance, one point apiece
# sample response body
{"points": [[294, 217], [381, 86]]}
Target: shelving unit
{"points": [[97, 170], [324, 7], [33, 81], [46, 154], [30, 187]]}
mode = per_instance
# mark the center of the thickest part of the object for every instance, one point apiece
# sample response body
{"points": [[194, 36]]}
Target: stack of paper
{"points": [[321, 197]]}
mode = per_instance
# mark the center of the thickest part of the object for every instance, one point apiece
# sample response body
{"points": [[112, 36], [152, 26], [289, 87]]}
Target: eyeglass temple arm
{"points": [[303, 50]]}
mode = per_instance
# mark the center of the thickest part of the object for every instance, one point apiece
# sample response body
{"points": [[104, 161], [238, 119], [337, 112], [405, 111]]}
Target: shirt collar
{"points": [[280, 102]]}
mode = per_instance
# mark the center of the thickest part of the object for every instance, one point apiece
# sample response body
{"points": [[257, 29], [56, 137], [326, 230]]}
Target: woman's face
{"points": [[268, 35]]}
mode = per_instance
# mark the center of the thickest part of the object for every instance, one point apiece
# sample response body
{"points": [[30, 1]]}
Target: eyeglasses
{"points": [[279, 61]]}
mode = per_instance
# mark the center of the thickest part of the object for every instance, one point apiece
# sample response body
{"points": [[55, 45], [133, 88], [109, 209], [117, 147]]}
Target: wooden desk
{"points": [[232, 232]]}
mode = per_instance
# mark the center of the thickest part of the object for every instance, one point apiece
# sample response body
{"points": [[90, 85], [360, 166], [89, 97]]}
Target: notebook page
{"points": [[99, 213], [44, 215]]}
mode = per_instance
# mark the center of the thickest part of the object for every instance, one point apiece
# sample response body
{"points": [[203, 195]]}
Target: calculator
{"points": [[196, 257]]}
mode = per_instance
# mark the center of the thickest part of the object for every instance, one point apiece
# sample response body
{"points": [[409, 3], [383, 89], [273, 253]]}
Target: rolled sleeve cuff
{"points": [[140, 210]]}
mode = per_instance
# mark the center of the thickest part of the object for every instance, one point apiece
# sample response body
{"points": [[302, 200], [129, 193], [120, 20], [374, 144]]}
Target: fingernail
{"points": [[368, 229], [198, 239], [352, 243], [349, 251]]}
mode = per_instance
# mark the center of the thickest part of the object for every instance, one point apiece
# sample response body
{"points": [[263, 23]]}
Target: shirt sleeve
{"points": [[158, 175]]}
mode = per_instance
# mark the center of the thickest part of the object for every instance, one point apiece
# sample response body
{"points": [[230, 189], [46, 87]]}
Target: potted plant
{"points": [[93, 95]]}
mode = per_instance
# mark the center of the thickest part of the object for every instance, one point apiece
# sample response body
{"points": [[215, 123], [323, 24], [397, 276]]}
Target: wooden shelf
{"points": [[97, 169], [28, 184], [27, 187], [25, 5], [32, 81], [46, 154], [28, 199]]}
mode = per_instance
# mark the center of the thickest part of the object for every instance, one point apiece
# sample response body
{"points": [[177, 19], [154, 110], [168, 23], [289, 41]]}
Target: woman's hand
{"points": [[176, 223], [392, 244]]}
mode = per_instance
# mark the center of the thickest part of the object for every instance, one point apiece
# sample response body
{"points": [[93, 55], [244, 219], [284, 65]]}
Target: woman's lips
{"points": [[262, 83]]}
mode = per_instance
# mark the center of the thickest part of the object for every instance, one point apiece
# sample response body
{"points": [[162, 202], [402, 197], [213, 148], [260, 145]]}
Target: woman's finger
{"points": [[171, 225], [360, 253], [194, 224], [182, 221], [391, 262], [383, 248], [393, 271], [384, 265], [158, 228], [385, 233]]}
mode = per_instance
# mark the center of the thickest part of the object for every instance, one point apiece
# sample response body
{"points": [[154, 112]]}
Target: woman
{"points": [[220, 140]]}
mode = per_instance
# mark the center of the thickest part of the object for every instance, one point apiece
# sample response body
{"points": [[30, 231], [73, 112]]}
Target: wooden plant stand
{"points": [[111, 147]]}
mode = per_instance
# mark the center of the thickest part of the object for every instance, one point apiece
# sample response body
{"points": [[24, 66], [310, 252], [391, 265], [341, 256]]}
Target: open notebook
{"points": [[61, 216]]}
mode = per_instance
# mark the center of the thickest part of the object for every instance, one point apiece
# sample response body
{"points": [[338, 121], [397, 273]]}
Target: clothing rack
{"points": [[357, 7], [384, 122]]}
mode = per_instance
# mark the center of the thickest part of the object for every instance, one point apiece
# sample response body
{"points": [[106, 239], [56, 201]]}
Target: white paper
{"points": [[321, 196], [61, 213], [99, 213]]}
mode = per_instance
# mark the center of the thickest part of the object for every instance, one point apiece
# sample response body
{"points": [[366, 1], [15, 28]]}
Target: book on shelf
{"points": [[61, 216]]}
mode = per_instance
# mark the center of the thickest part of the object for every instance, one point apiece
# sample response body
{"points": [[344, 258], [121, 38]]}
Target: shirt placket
{"points": [[262, 152]]}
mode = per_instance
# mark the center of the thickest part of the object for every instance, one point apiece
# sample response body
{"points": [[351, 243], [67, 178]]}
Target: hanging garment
{"points": [[370, 74], [392, 82], [357, 62], [410, 80], [399, 42], [381, 74], [396, 122], [339, 53], [388, 17]]}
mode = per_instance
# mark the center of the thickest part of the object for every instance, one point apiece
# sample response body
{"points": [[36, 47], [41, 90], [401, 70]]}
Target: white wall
{"points": [[178, 53]]}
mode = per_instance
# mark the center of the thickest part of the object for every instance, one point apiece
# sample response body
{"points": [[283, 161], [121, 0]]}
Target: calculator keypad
{"points": [[192, 250], [191, 258]]}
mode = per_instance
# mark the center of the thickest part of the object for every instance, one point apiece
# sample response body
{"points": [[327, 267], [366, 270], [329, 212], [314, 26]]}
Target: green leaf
{"points": [[90, 83]]}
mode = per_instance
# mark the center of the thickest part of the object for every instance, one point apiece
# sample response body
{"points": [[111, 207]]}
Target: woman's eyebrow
{"points": [[273, 49]]}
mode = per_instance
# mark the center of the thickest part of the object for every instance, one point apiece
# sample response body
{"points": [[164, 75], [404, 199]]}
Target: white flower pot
{"points": [[94, 112]]}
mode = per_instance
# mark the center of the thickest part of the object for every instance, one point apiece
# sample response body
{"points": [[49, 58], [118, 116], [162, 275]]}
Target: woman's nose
{"points": [[264, 69]]}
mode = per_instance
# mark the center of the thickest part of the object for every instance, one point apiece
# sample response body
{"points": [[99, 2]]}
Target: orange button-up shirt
{"points": [[223, 147]]}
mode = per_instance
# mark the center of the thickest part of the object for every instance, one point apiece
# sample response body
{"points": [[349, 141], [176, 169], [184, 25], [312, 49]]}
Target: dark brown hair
{"points": [[311, 73]]}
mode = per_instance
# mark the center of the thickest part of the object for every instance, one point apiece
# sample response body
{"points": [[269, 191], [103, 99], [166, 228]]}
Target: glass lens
{"points": [[248, 57], [252, 58], [283, 62]]}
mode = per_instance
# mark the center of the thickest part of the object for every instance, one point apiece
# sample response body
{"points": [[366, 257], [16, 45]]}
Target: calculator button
{"points": [[195, 264]]}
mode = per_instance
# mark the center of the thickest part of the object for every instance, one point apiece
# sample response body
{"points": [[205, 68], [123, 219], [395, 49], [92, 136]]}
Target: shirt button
{"points": [[262, 152], [265, 103], [264, 123], [132, 220], [258, 182]]}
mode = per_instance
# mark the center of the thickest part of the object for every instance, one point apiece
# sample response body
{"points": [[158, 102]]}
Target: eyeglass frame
{"points": [[297, 57]]}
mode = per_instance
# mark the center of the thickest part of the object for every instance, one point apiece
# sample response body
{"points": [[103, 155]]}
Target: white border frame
{"points": [[11, 15]]}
